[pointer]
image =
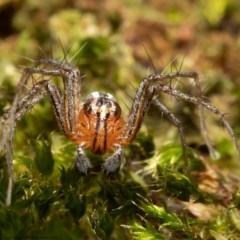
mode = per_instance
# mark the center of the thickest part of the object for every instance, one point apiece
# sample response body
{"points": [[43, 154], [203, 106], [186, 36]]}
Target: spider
{"points": [[96, 123]]}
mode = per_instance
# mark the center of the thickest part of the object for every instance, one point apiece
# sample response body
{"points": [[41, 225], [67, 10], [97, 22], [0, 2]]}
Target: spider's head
{"points": [[102, 105]]}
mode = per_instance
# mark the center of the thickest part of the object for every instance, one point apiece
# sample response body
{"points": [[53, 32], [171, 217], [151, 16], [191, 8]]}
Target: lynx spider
{"points": [[97, 122]]}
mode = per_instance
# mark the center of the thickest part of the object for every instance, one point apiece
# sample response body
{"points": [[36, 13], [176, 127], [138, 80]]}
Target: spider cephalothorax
{"points": [[96, 123], [99, 124]]}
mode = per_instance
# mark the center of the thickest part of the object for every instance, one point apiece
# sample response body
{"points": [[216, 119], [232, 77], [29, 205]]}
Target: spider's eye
{"points": [[101, 95]]}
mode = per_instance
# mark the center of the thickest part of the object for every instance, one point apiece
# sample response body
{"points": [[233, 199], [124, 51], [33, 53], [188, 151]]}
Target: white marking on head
{"points": [[99, 95], [103, 104]]}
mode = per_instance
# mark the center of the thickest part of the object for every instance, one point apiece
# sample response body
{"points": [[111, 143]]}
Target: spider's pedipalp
{"points": [[113, 163], [82, 162]]}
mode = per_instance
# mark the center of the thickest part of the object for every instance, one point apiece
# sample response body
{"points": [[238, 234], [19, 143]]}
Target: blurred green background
{"points": [[116, 44]]}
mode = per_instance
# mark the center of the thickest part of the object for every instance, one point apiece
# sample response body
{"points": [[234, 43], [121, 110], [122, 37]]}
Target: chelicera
{"points": [[97, 122]]}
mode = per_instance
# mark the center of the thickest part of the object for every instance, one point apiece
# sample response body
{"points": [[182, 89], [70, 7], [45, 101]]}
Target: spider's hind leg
{"points": [[57, 100]]}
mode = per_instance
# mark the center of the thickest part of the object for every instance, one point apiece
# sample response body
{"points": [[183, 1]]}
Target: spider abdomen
{"points": [[100, 123]]}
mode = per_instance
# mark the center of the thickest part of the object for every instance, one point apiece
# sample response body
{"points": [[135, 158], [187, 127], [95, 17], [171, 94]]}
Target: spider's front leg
{"points": [[141, 103], [147, 95], [66, 118], [66, 108], [207, 105], [66, 104]]}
